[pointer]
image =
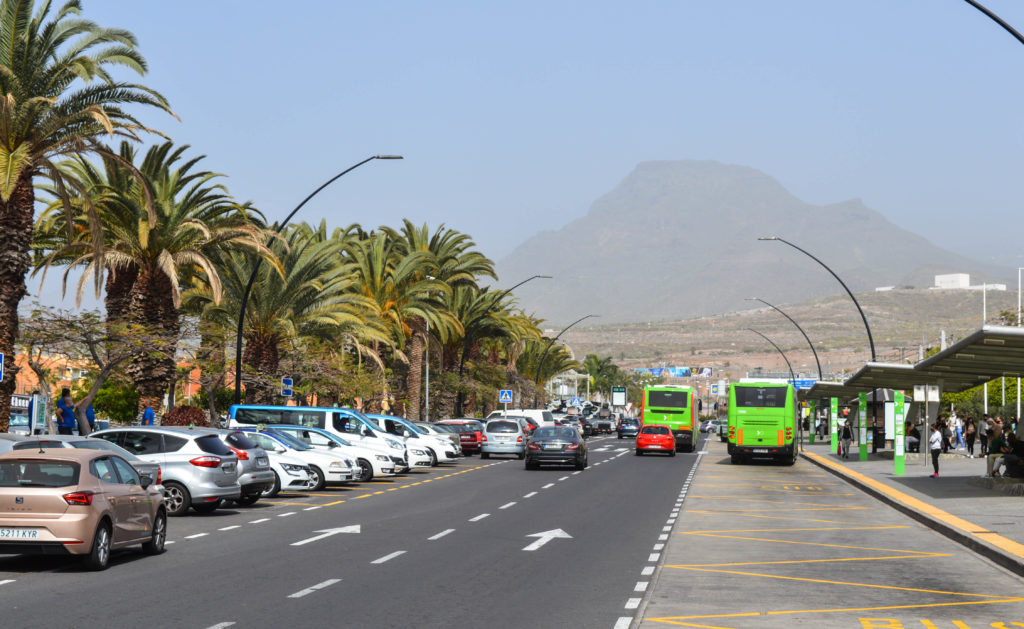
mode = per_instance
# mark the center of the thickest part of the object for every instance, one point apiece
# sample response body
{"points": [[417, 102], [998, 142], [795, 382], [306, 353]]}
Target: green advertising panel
{"points": [[862, 420], [833, 425]]}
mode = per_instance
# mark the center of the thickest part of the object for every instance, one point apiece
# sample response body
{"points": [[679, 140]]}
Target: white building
{"points": [[953, 280]]}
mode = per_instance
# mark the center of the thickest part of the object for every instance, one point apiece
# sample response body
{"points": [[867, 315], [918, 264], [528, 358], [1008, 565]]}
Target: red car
{"points": [[655, 438], [471, 433]]}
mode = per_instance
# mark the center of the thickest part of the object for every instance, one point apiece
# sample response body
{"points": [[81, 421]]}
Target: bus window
{"points": [[761, 397], [667, 399], [281, 415]]}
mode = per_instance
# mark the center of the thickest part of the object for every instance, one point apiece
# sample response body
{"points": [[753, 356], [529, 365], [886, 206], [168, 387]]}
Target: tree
{"points": [[58, 100]]}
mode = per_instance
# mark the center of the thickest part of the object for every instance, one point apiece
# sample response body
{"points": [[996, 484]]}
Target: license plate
{"points": [[503, 438], [262, 460], [229, 468], [653, 445], [9, 533], [760, 450], [552, 447]]}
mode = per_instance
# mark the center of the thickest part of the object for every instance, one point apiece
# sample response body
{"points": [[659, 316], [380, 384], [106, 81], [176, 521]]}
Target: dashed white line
{"points": [[670, 521], [507, 505], [623, 622], [647, 571], [260, 520], [196, 535], [532, 493], [548, 485], [479, 517], [662, 537], [579, 472], [666, 529], [285, 515], [314, 588], [388, 557], [658, 547], [166, 543], [654, 557], [6, 581], [441, 534], [220, 625], [228, 528], [563, 478], [312, 508], [641, 586], [633, 603]]}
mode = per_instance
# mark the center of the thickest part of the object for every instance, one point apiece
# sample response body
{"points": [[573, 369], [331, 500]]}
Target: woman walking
{"points": [[935, 444], [969, 435]]}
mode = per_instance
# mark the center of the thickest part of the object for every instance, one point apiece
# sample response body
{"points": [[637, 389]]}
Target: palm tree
{"points": [[150, 255], [58, 100]]}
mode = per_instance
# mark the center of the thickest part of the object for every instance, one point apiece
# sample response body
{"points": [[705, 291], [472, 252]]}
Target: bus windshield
{"points": [[761, 397], [667, 399]]}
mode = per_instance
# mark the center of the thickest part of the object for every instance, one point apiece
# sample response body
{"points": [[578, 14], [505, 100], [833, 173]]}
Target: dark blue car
{"points": [[628, 427]]}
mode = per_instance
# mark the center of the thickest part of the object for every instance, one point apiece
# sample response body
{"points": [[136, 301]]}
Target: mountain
{"points": [[678, 239]]}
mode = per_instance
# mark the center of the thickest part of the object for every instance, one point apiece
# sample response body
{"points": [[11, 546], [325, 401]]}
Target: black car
{"points": [[628, 427], [556, 445], [587, 426]]}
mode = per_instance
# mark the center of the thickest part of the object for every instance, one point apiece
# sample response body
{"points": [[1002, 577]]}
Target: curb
{"points": [[1007, 560]]}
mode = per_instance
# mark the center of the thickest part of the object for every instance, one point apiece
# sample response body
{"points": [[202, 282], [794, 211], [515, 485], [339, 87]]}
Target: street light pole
{"points": [[472, 328], [543, 357], [791, 320], [259, 261]]}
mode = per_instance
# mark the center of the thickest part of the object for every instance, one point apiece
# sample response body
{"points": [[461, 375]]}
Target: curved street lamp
{"points": [[791, 320], [259, 261], [467, 339], [544, 356], [998, 20]]}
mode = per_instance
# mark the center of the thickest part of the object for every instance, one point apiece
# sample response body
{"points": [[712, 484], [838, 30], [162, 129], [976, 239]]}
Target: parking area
{"points": [[762, 545]]}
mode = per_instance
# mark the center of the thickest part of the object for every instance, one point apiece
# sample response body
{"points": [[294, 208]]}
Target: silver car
{"points": [[7, 441], [503, 436], [199, 470], [144, 468], [255, 476]]}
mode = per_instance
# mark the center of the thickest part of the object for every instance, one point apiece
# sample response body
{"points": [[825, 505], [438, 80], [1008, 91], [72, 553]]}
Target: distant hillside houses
{"points": [[962, 281]]}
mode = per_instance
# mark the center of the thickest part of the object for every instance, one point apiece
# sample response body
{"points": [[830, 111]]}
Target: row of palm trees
{"points": [[162, 241]]}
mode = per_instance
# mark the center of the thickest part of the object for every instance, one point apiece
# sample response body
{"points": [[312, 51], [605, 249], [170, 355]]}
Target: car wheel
{"points": [[581, 465], [155, 545], [672, 453], [247, 500], [99, 556], [638, 452], [316, 478], [207, 507], [485, 455], [735, 459], [433, 457], [273, 491], [530, 465], [365, 471], [522, 455], [176, 498]]}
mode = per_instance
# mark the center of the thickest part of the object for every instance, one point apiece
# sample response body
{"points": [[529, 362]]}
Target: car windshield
{"points": [[36, 473], [629, 422], [502, 426], [655, 430], [317, 437], [554, 432], [289, 440], [19, 420]]}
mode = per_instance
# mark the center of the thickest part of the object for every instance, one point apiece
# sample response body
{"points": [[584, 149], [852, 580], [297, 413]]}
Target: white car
{"points": [[370, 462], [290, 474], [324, 466], [439, 449], [452, 437]]}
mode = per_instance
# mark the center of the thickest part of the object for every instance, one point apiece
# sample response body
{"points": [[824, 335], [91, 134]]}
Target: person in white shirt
{"points": [[935, 444]]}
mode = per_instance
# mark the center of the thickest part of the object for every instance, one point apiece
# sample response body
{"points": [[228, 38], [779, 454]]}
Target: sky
{"points": [[513, 117]]}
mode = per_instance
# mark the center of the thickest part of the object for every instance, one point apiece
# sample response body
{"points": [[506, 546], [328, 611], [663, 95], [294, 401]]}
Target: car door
{"points": [[139, 499], [117, 496]]}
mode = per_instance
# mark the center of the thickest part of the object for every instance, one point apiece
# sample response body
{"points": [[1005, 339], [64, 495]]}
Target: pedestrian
{"points": [[956, 431], [947, 436], [994, 458], [969, 435], [65, 413], [846, 437], [913, 437], [983, 432], [148, 416], [90, 415], [935, 442]]}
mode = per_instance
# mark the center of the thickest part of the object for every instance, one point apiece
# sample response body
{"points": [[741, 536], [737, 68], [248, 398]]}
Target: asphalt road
{"points": [[772, 546], [443, 548]]}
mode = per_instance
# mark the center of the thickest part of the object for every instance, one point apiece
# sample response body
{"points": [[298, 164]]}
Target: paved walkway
{"points": [[960, 504]]}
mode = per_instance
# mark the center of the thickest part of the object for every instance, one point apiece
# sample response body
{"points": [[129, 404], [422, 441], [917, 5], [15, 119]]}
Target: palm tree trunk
{"points": [[414, 379], [261, 354], [151, 306], [16, 214]]}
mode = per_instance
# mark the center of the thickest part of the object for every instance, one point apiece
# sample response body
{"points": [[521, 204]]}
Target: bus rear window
{"points": [[668, 399], [761, 397]]}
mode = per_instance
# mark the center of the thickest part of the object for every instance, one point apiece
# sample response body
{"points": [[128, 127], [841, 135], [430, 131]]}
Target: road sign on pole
{"points": [[574, 402], [1, 366], [618, 396], [286, 387], [505, 396]]}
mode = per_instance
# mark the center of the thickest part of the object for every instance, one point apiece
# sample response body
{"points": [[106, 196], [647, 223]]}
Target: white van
{"points": [[541, 416]]}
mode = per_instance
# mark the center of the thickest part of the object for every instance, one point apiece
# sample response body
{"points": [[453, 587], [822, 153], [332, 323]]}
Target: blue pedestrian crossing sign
{"points": [[574, 402], [505, 396]]}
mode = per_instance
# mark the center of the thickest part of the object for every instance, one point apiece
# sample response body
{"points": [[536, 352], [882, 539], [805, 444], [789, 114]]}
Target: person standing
{"points": [[935, 442], [956, 431], [846, 437], [148, 416], [90, 416], [65, 413], [969, 435], [983, 432]]}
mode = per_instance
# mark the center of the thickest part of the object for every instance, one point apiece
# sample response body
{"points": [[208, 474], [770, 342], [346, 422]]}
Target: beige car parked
{"points": [[78, 502]]}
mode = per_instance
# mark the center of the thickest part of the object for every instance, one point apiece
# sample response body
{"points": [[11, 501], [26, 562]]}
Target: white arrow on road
{"points": [[328, 532], [545, 537]]}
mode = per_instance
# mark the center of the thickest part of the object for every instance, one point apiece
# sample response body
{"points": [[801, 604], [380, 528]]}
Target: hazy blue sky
{"points": [[515, 116]]}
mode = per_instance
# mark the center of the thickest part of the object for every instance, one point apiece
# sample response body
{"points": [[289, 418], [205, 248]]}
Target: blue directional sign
{"points": [[505, 396], [574, 402], [803, 384], [286, 387], [1, 366]]}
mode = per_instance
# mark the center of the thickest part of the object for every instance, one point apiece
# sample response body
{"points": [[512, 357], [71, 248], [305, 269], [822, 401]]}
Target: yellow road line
{"points": [[331, 504], [799, 543], [817, 528], [1006, 544]]}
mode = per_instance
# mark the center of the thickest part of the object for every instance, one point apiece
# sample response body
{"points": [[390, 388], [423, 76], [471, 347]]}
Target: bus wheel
{"points": [[735, 458]]}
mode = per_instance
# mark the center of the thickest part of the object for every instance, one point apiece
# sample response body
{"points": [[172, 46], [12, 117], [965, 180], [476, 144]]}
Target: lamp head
{"points": [[767, 237], [389, 157]]}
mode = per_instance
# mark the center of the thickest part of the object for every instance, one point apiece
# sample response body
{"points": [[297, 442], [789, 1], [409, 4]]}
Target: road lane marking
{"points": [[314, 588], [441, 534], [654, 557], [318, 506], [196, 535], [663, 537], [260, 520], [221, 625], [285, 515], [647, 571], [659, 547], [6, 581], [507, 505], [623, 622], [579, 472], [324, 533], [228, 528], [563, 478], [633, 603], [388, 557], [532, 493], [479, 517], [548, 485], [641, 586]]}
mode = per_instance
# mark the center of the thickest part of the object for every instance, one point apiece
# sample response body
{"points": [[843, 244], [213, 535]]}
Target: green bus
{"points": [[673, 406], [762, 421]]}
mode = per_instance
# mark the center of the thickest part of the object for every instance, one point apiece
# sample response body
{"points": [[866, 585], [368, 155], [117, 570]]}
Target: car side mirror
{"points": [[331, 444], [406, 433], [280, 449], [145, 480]]}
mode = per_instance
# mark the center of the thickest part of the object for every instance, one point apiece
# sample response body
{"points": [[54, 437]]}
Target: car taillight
{"points": [[78, 498], [572, 446], [242, 454], [206, 461], [519, 439], [533, 446], [159, 476], [483, 437]]}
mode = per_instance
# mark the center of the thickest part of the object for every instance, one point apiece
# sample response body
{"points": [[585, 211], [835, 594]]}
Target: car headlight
{"points": [[419, 452], [381, 457], [339, 465], [393, 444], [295, 470]]}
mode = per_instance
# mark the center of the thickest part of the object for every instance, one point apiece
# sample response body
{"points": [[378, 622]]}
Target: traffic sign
{"points": [[505, 396], [618, 396], [286, 383], [287, 392], [574, 402], [1, 365], [714, 389]]}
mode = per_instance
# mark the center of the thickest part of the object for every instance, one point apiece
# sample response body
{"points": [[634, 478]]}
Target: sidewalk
{"points": [[960, 504]]}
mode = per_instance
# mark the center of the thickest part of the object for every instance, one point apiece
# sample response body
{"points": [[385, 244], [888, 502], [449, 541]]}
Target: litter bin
{"points": [[102, 424], [879, 438]]}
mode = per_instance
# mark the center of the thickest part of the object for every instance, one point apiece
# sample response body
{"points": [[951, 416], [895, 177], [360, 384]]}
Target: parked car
{"points": [[556, 445], [144, 468], [8, 441], [470, 433], [255, 474], [538, 416], [655, 438], [370, 463], [438, 450], [503, 436], [80, 502], [199, 470], [325, 466], [444, 432], [628, 427]]}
